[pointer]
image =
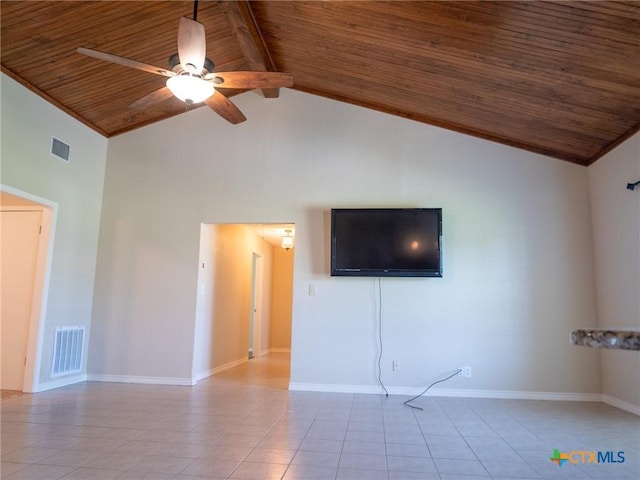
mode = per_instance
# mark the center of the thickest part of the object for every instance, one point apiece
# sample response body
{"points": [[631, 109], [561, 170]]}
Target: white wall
{"points": [[616, 233], [517, 247], [28, 123]]}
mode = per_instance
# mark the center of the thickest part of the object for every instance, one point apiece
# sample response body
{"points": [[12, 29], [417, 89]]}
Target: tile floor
{"points": [[244, 424]]}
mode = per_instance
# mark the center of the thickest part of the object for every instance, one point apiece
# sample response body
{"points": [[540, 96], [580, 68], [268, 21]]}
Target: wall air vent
{"points": [[60, 150]]}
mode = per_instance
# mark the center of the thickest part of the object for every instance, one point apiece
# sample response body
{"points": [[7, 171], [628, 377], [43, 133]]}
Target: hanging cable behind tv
{"points": [[632, 186]]}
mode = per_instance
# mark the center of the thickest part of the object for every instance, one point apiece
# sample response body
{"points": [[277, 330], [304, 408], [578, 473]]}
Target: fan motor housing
{"points": [[174, 65]]}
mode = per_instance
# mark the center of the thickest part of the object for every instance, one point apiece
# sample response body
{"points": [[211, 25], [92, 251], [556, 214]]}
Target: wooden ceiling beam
{"points": [[249, 38]]}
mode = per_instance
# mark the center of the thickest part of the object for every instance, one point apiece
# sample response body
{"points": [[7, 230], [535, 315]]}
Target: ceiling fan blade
{"points": [[153, 98], [223, 107], [192, 45], [127, 62], [251, 80]]}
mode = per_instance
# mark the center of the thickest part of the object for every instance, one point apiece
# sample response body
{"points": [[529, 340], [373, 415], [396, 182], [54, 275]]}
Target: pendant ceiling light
{"points": [[287, 240]]}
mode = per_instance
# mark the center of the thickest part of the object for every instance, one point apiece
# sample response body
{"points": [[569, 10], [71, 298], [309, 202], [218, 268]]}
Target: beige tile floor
{"points": [[245, 424]]}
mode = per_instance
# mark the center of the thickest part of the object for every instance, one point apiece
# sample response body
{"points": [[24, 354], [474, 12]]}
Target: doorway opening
{"points": [[245, 297], [26, 232]]}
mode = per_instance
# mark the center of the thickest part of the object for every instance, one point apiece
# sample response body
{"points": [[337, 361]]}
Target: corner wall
{"points": [[616, 233]]}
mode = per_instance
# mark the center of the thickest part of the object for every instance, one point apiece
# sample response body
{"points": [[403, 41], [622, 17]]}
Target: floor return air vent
{"points": [[67, 351]]}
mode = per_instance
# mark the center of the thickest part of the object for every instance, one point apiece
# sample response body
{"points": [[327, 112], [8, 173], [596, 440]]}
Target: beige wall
{"points": [[518, 264], [282, 299]]}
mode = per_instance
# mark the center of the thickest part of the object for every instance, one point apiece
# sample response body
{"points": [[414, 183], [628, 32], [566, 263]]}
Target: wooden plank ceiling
{"points": [[557, 78]]}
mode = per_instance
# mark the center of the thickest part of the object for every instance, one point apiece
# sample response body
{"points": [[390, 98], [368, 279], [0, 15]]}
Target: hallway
{"points": [[270, 370]]}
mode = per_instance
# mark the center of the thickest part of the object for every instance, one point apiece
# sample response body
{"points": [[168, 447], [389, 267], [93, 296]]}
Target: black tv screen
{"points": [[386, 242]]}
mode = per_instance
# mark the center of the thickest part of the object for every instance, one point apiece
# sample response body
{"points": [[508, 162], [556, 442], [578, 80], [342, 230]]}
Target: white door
{"points": [[255, 316], [19, 240]]}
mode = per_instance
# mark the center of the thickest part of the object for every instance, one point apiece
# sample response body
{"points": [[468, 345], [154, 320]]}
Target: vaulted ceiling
{"points": [[557, 78]]}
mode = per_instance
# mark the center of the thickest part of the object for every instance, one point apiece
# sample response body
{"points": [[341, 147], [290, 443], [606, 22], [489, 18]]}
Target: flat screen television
{"points": [[386, 242]]}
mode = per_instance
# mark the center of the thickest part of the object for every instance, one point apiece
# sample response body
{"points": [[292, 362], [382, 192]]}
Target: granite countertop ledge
{"points": [[616, 339]]}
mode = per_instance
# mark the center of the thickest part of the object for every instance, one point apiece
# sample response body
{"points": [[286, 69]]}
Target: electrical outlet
{"points": [[395, 366], [460, 371], [467, 372]]}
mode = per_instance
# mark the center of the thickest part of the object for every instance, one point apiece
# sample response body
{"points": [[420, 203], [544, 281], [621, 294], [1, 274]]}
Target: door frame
{"points": [[35, 337]]}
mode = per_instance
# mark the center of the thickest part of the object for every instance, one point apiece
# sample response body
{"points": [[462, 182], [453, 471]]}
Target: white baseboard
{"points": [[338, 388], [202, 375], [59, 382], [621, 404], [335, 388], [447, 392], [171, 380], [518, 395], [180, 381]]}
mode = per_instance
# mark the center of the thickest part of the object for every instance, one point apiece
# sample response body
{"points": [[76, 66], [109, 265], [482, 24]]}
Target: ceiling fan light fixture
{"points": [[190, 88]]}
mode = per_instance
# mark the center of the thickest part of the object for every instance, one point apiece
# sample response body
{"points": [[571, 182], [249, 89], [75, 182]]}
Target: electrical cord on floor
{"points": [[386, 393], [406, 404]]}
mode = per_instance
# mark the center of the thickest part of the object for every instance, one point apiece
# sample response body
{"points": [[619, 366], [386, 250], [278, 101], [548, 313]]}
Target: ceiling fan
{"points": [[191, 76]]}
